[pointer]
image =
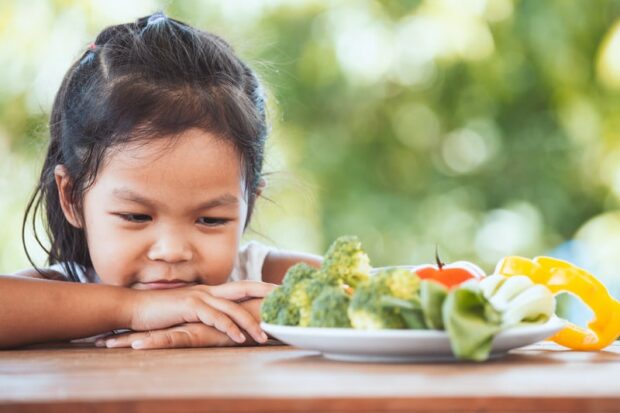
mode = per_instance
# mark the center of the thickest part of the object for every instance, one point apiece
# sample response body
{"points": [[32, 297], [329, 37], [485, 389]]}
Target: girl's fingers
{"points": [[211, 311], [242, 317], [122, 340], [188, 335], [164, 339], [239, 290], [211, 316]]}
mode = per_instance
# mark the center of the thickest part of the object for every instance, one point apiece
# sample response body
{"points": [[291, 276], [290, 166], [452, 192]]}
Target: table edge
{"points": [[328, 404]]}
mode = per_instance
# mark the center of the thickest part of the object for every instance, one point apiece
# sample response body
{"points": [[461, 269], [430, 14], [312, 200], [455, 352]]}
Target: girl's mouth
{"points": [[162, 284]]}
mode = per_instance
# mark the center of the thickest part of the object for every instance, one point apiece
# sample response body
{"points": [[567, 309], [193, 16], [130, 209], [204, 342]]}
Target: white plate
{"points": [[400, 345]]}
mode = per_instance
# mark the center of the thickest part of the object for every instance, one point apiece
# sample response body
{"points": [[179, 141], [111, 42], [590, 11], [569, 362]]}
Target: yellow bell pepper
{"points": [[561, 276]]}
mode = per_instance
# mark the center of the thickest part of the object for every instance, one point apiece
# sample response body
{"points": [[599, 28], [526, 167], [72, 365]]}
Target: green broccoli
{"points": [[298, 273], [303, 294], [329, 309], [346, 261], [402, 283], [301, 285], [286, 304], [368, 309], [277, 309]]}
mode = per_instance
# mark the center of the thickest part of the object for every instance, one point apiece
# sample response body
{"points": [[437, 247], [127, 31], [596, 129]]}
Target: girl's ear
{"points": [[63, 183]]}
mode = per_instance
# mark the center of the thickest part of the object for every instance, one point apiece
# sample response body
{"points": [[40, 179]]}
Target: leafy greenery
{"points": [[489, 128]]}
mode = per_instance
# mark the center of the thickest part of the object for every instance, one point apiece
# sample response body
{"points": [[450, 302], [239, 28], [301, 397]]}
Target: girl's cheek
{"points": [[217, 257], [114, 253]]}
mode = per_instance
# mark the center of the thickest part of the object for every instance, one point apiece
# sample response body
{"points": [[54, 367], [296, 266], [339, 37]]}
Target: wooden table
{"points": [[537, 378]]}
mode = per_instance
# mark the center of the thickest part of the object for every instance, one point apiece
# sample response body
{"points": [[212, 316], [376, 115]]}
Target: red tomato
{"points": [[450, 275]]}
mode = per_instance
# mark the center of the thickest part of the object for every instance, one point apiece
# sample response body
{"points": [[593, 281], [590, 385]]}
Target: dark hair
{"points": [[140, 81]]}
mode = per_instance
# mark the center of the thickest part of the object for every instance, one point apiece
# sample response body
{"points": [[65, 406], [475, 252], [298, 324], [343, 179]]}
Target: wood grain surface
{"points": [[273, 378]]}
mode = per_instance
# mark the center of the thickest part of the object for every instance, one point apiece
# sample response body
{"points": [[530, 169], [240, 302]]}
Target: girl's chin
{"points": [[161, 285]]}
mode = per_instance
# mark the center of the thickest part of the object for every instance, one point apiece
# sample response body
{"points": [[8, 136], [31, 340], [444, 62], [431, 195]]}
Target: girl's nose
{"points": [[170, 248]]}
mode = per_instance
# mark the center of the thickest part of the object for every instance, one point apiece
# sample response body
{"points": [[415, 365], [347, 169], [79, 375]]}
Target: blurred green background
{"points": [[488, 128]]}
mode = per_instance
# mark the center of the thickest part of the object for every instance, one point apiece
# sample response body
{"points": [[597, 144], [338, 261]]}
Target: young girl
{"points": [[151, 175]]}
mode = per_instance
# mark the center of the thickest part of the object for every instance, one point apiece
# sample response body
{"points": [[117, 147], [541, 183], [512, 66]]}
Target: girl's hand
{"points": [[216, 306], [182, 336], [185, 335]]}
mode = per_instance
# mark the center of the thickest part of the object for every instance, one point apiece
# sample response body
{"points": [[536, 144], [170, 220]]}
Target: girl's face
{"points": [[166, 216]]}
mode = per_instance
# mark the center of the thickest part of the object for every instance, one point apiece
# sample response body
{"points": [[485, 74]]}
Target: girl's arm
{"points": [[38, 311], [278, 262]]}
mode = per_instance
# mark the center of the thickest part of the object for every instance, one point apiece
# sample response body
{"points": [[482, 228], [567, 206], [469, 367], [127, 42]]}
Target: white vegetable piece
{"points": [[490, 284], [517, 298], [508, 290], [529, 305]]}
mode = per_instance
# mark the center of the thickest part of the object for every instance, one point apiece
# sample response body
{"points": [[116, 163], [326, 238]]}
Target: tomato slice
{"points": [[450, 275]]}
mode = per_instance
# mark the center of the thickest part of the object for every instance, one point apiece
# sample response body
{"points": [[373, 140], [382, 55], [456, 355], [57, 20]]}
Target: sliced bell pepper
{"points": [[561, 276]]}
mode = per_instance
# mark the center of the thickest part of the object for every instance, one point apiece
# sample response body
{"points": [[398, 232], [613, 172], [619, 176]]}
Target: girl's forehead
{"points": [[195, 159]]}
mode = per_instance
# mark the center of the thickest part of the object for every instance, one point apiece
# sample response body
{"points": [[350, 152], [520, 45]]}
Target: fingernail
{"points": [[137, 344], [111, 342], [100, 343], [241, 337], [264, 336]]}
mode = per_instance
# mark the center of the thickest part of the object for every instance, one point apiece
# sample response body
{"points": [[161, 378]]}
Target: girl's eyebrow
{"points": [[129, 195], [222, 200]]}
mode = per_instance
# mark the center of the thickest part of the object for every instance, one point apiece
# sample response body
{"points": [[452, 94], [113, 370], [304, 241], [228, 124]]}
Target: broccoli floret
{"points": [[283, 305], [329, 309], [294, 285], [301, 301], [277, 309], [298, 273], [346, 261], [402, 283], [305, 292], [368, 310], [301, 286]]}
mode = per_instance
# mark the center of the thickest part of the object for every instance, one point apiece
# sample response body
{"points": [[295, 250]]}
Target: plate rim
{"points": [[332, 332]]}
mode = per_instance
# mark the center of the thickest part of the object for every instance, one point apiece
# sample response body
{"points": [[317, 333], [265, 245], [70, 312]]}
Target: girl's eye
{"points": [[212, 222], [136, 218]]}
